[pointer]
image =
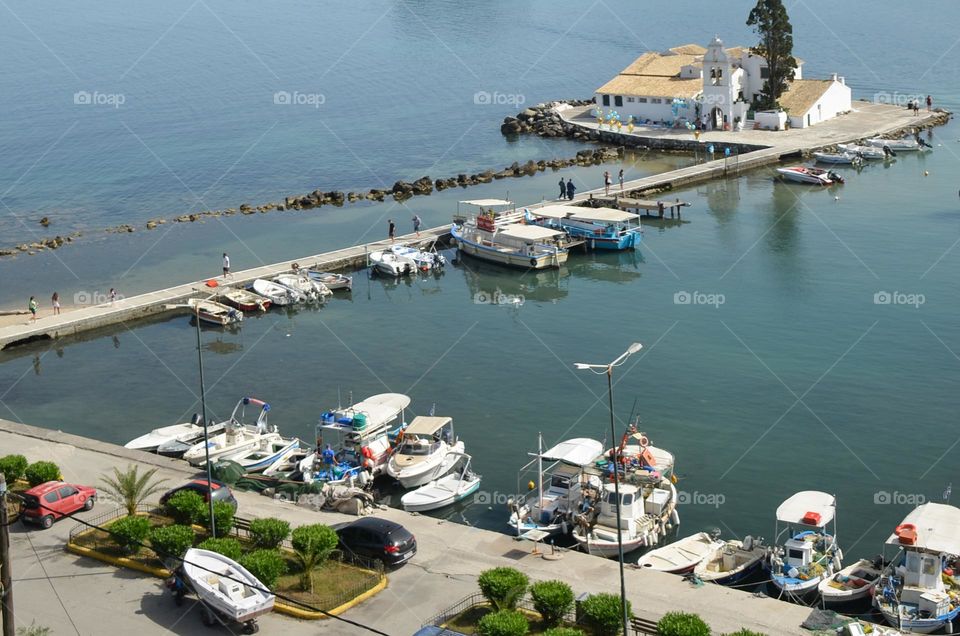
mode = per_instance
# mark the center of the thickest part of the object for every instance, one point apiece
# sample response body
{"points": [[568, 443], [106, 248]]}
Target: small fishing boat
{"points": [[214, 313], [905, 144], [269, 449], [391, 264], [853, 583], [847, 158], [732, 562], [186, 434], [646, 514], [277, 294], [427, 449], [332, 280], [806, 552], [815, 176], [869, 153], [682, 555], [226, 587], [424, 259], [455, 486], [311, 290], [237, 436], [601, 228], [244, 300], [287, 466], [502, 237]]}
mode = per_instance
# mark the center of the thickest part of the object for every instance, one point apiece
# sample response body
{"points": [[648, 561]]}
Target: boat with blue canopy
{"points": [[601, 228]]}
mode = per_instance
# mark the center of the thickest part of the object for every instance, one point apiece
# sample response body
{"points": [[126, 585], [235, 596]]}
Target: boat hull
{"points": [[424, 502]]}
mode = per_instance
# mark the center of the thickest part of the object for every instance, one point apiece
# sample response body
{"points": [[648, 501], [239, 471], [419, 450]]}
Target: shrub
{"points": [[40, 472], [553, 599], [682, 624], [503, 587], [312, 544], [171, 541], [269, 533], [222, 514], [563, 631], [229, 548], [129, 533], [503, 623], [34, 630], [186, 507], [266, 565], [604, 613], [13, 467], [746, 632], [130, 488]]}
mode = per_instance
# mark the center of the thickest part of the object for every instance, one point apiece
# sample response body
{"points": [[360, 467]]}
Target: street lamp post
{"points": [[206, 433], [607, 369]]}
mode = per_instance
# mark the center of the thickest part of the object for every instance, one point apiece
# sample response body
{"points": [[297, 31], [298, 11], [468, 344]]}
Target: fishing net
{"points": [[229, 472]]}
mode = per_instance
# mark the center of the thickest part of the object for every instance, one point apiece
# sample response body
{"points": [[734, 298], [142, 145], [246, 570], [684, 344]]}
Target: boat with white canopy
{"points": [[500, 236], [806, 553], [427, 449], [601, 228]]}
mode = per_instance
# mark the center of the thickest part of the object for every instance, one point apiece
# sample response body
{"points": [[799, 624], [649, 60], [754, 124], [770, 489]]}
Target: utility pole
{"points": [[6, 577]]}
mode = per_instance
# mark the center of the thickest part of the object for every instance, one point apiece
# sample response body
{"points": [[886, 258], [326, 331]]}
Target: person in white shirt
{"points": [[226, 265]]}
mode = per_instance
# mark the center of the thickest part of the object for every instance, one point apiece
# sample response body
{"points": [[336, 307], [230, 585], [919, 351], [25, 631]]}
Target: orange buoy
{"points": [[212, 283], [906, 533]]}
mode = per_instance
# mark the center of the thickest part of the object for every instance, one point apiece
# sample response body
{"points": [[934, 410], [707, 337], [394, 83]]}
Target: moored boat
{"points": [[244, 300], [853, 583], [601, 228], [332, 280], [500, 236], [732, 562], [814, 176], [869, 153], [457, 485], [214, 313], [237, 436], [646, 514], [904, 144], [426, 449], [806, 552], [390, 263], [277, 294], [424, 259], [269, 449], [185, 434], [682, 555], [311, 290], [847, 158]]}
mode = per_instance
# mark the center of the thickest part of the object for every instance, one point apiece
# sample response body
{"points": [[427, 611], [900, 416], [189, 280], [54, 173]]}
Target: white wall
{"points": [[641, 111], [835, 100]]}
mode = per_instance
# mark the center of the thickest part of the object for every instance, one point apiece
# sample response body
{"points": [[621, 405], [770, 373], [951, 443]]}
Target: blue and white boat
{"points": [[912, 595], [806, 551], [732, 561], [501, 236], [270, 449], [601, 228]]}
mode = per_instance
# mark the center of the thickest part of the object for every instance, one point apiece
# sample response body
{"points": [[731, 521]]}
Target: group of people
{"points": [[392, 227], [568, 189], [915, 105], [34, 307]]}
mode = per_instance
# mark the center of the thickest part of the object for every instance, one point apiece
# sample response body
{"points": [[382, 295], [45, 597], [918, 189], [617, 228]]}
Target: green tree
{"points": [[131, 488], [312, 545], [503, 586], [553, 599], [771, 22]]}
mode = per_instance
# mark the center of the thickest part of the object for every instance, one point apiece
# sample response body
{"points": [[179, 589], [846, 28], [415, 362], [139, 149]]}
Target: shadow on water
{"points": [[609, 266], [492, 284]]}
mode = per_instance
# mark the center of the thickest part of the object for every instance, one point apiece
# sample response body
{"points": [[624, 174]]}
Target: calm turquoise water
{"points": [[797, 380]]}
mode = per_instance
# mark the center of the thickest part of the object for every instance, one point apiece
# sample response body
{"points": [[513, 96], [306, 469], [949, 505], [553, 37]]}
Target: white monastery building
{"points": [[715, 85]]}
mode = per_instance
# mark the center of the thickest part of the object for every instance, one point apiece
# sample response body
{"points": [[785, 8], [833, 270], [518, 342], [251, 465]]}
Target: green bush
{"points": [[229, 548], [312, 545], [171, 541], [129, 533], [682, 624], [13, 467], [553, 599], [41, 472], [222, 514], [269, 533], [503, 587], [563, 631], [266, 565], [186, 507], [603, 612], [746, 632], [503, 623]]}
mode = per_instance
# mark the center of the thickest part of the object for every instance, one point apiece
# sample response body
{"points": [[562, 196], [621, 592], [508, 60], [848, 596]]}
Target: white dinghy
{"points": [[225, 586], [449, 489], [680, 556], [187, 434]]}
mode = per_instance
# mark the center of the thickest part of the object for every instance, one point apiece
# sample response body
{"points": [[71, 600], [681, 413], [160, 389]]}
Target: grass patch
{"points": [[466, 621], [334, 583]]}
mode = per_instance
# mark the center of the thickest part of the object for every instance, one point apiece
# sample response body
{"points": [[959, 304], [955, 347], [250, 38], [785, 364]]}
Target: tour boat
{"points": [[815, 176], [682, 555], [601, 228], [332, 280], [303, 284], [554, 494], [455, 486], [244, 300], [806, 552], [502, 237], [214, 313], [853, 583], [269, 449], [427, 449], [237, 436], [277, 294], [732, 562], [226, 586], [424, 259], [911, 594], [847, 158], [186, 434], [870, 153], [392, 264]]}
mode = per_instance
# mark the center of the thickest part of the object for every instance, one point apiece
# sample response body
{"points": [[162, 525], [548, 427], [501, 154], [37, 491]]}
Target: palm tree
{"points": [[130, 487]]}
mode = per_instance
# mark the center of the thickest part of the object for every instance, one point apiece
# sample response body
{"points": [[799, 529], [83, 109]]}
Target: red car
{"points": [[52, 500]]}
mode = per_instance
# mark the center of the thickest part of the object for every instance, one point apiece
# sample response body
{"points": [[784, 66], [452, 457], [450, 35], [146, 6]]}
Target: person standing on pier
{"points": [[606, 182], [113, 295], [571, 189], [32, 306], [391, 229], [416, 224], [563, 189], [620, 178], [226, 265], [929, 103], [55, 301]]}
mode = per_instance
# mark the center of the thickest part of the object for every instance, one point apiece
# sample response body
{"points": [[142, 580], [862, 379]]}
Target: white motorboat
{"points": [[455, 486], [332, 280], [554, 493], [424, 259], [805, 553], [869, 153], [310, 289], [186, 434], [427, 449], [269, 449], [847, 158], [732, 562], [278, 294], [815, 176], [237, 437], [502, 237], [244, 300], [226, 586], [214, 313], [905, 144], [911, 594], [392, 264], [853, 583], [645, 517], [682, 555]]}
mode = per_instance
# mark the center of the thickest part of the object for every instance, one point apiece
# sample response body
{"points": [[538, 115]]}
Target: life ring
{"points": [[644, 441], [906, 533], [533, 262]]}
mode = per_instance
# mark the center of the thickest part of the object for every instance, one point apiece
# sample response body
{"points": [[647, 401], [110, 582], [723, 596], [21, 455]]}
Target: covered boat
{"points": [[214, 313], [682, 555], [427, 449], [601, 228], [806, 552], [732, 562], [499, 236], [225, 586], [332, 280], [456, 485]]}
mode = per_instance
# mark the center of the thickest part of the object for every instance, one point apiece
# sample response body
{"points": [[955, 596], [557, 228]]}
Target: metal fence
{"points": [[102, 519]]}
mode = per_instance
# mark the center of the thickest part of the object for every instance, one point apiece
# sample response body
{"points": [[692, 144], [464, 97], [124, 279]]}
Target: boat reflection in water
{"points": [[608, 266], [492, 284]]}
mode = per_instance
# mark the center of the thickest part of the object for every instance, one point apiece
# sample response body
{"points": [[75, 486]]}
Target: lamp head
{"points": [[581, 365], [636, 346]]}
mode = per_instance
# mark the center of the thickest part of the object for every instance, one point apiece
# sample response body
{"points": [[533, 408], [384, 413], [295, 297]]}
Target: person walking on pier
{"points": [[571, 189], [929, 103], [32, 306], [55, 301], [563, 189], [226, 265], [606, 182], [416, 224], [620, 178], [391, 229]]}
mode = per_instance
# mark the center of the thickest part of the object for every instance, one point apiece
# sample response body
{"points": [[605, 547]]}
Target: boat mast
{"points": [[539, 471]]}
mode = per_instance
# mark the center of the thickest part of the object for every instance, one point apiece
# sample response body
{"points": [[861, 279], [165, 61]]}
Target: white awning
{"points": [[487, 202], [606, 215], [578, 452], [380, 408], [937, 526], [426, 425], [529, 232], [794, 509], [555, 211]]}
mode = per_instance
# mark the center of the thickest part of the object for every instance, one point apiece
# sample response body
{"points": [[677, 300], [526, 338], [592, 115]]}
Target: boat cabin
{"points": [[488, 214], [361, 431], [631, 501], [927, 536], [798, 552], [606, 221], [422, 437]]}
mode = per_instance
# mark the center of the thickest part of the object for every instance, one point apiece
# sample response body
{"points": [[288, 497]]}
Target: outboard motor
{"points": [[196, 420], [889, 152]]}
